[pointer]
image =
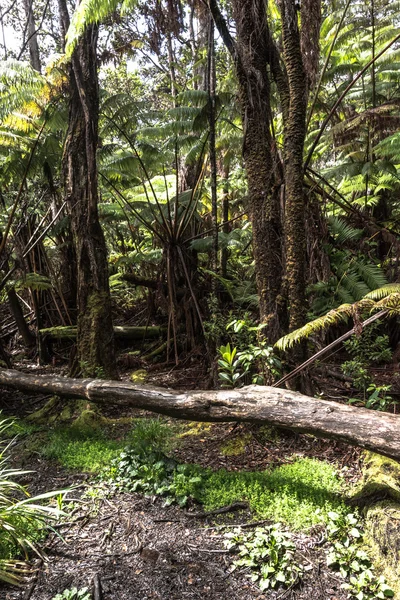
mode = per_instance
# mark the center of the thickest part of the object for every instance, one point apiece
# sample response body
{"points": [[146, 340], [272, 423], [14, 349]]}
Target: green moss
{"points": [[379, 495], [95, 335], [236, 446], [82, 448], [382, 538], [90, 419], [300, 494], [48, 413], [139, 376], [381, 479]]}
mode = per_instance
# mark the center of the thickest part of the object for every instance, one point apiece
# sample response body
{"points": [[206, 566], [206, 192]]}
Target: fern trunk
{"points": [[294, 136], [95, 339]]}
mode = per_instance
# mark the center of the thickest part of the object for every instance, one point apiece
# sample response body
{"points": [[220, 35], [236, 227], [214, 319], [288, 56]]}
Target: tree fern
{"points": [[384, 292], [389, 298]]}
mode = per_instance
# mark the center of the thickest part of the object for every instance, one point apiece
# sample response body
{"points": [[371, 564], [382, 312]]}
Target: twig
{"points": [[210, 550], [218, 511], [97, 591]]}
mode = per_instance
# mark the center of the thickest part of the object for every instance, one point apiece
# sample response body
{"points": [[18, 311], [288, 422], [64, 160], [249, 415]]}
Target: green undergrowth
{"points": [[93, 449], [300, 494], [82, 449]]}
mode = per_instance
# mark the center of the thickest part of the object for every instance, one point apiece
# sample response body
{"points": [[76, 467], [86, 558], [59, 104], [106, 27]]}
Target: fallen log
{"points": [[123, 332], [376, 431]]}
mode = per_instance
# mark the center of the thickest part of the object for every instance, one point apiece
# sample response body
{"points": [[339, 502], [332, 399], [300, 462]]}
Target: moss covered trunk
{"points": [[95, 340], [379, 497], [294, 136], [251, 54], [254, 93]]}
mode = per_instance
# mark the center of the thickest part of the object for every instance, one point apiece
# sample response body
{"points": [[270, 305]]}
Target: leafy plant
{"points": [[154, 474], [378, 398], [268, 553], [347, 555], [74, 594], [230, 370], [144, 467], [256, 361], [367, 586], [369, 348]]}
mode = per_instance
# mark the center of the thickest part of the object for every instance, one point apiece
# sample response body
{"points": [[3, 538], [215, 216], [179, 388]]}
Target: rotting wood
{"points": [[360, 427], [120, 332]]}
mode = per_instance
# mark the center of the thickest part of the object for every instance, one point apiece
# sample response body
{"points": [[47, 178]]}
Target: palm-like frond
{"points": [[384, 292], [333, 317]]}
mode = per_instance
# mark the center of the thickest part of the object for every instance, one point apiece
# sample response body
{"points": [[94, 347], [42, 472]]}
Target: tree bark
{"points": [[360, 427], [34, 54], [95, 341], [28, 338], [294, 136], [251, 53]]}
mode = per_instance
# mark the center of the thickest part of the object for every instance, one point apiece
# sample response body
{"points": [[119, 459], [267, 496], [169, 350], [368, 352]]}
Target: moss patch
{"points": [[379, 495], [138, 376], [47, 414], [82, 448], [236, 446], [381, 480], [300, 494]]}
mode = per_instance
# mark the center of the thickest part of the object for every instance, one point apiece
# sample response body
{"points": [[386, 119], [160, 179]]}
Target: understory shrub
{"points": [[23, 519]]}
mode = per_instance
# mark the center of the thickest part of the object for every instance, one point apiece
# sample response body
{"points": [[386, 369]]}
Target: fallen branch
{"points": [[123, 332], [376, 431]]}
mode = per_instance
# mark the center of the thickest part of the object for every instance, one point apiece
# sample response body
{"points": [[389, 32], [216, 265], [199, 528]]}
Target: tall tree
{"points": [[95, 338], [251, 55], [31, 40]]}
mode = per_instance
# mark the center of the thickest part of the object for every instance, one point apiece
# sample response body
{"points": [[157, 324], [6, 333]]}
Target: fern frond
{"points": [[333, 317], [34, 281], [392, 303], [342, 231], [383, 292]]}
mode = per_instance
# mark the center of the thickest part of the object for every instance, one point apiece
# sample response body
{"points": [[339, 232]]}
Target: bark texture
{"points": [[294, 136], [251, 53], [361, 427], [95, 341]]}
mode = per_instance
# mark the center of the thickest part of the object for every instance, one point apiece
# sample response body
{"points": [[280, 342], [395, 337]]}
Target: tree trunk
{"points": [[95, 343], [23, 328], [361, 427], [34, 54], [294, 136], [251, 54]]}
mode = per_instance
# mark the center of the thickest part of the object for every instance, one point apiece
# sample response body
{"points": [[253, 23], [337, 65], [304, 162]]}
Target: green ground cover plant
{"points": [[347, 555], [300, 494], [83, 449], [269, 553]]}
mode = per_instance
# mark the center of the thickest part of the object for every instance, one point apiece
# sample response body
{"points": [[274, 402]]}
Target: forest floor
{"points": [[135, 548]]}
